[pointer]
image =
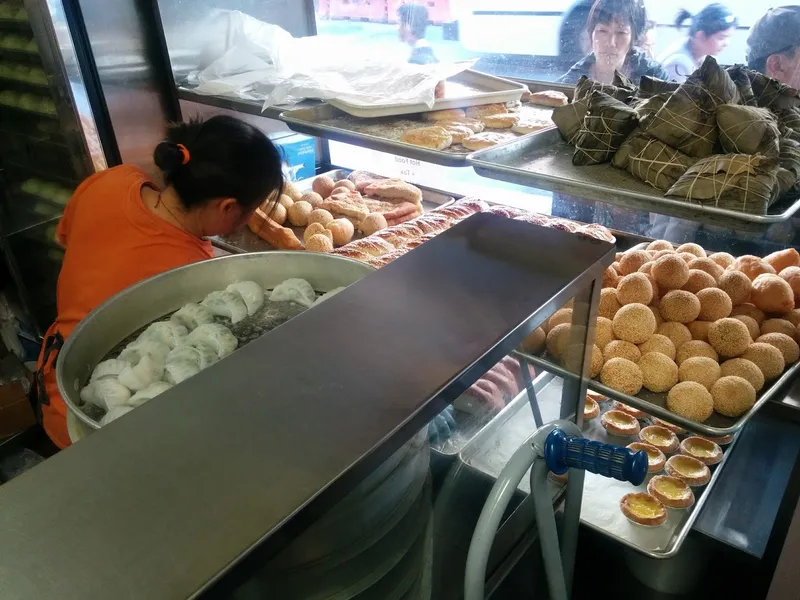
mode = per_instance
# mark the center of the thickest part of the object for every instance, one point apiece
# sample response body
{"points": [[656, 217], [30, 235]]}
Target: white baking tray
{"points": [[468, 88]]}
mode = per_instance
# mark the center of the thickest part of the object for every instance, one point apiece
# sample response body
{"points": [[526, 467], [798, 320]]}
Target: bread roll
{"points": [[321, 216], [342, 231], [298, 213], [319, 243]]}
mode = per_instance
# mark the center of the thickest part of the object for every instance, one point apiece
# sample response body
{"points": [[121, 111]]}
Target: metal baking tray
{"points": [[468, 88], [655, 404], [245, 240], [383, 134], [544, 160], [490, 450]]}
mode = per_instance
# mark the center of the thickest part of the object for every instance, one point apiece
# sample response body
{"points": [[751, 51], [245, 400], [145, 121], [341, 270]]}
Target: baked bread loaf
{"points": [[525, 126], [394, 189], [282, 238], [482, 110], [479, 141], [549, 98], [501, 121], [434, 137], [444, 115], [457, 131], [476, 125]]}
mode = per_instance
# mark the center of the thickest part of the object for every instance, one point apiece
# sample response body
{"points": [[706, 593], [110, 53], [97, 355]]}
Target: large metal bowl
{"points": [[152, 299]]}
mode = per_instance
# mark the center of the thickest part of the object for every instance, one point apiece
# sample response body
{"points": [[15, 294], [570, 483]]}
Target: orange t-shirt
{"points": [[112, 241]]}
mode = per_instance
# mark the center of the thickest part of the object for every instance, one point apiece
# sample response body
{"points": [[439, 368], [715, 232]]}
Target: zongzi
{"points": [[651, 86], [789, 166], [717, 82], [771, 93], [652, 161], [686, 121], [740, 182], [741, 77], [747, 130], [789, 122], [648, 107], [569, 119], [605, 127], [585, 87]]}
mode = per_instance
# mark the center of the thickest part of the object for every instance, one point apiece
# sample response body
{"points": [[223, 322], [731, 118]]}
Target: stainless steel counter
{"points": [[249, 452]]}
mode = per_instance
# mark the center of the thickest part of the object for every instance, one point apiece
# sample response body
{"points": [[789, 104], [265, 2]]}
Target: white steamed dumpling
{"points": [[105, 393], [148, 393], [168, 333], [178, 371], [226, 304], [251, 293], [115, 413], [330, 294], [110, 368], [192, 315], [198, 353], [139, 375], [294, 290], [134, 351], [215, 335]]}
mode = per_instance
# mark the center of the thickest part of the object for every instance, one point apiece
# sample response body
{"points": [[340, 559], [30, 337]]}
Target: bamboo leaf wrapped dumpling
{"points": [[747, 130], [740, 75], [789, 167], [585, 87], [569, 119], [789, 122], [771, 93], [605, 127], [739, 182], [687, 121], [653, 86], [647, 107], [652, 161]]}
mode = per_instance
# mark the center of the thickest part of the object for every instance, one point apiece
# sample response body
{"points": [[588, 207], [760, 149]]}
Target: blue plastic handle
{"points": [[562, 452]]}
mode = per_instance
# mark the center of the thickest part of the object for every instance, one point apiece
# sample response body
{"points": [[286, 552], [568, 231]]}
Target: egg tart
{"points": [[634, 412], [619, 423], [655, 458], [691, 470], [706, 451], [660, 437], [671, 491], [673, 428], [643, 509], [591, 409], [599, 398], [722, 441]]}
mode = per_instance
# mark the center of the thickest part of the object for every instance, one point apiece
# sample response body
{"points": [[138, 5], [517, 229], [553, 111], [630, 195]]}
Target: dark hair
{"points": [[628, 11], [712, 19], [227, 158], [415, 17]]}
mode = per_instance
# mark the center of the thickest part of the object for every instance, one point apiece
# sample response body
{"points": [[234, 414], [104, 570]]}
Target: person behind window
{"points": [[647, 41], [413, 20], [773, 46], [708, 36], [614, 26]]}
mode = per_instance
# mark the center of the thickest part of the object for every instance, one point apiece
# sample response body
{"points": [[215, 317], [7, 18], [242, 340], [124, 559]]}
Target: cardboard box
{"points": [[299, 155]]}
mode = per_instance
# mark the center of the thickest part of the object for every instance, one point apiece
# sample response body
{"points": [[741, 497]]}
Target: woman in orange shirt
{"points": [[120, 228]]}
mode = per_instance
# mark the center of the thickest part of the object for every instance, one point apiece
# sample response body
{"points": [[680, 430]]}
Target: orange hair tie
{"points": [[185, 152]]}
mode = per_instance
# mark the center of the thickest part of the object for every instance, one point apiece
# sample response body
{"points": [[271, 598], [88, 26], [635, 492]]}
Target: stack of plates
{"points": [[375, 544]]}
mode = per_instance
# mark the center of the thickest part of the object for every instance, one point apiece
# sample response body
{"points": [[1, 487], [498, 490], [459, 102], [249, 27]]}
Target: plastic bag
{"points": [[249, 59]]}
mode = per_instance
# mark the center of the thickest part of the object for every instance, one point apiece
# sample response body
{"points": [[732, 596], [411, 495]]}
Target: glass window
{"points": [[531, 39]]}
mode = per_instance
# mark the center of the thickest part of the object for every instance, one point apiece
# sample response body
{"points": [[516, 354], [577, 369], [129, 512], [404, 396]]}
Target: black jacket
{"points": [[637, 65]]}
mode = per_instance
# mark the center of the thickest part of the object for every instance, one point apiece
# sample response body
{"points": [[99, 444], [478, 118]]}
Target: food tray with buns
{"points": [[468, 88], [489, 451], [384, 133], [544, 160], [655, 404], [245, 240]]}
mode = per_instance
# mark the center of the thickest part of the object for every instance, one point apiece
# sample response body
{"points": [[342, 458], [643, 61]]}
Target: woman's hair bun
{"points": [[168, 156]]}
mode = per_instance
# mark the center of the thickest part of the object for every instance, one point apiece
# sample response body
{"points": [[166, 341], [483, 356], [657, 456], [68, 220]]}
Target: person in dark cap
{"points": [[773, 46], [413, 20]]}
